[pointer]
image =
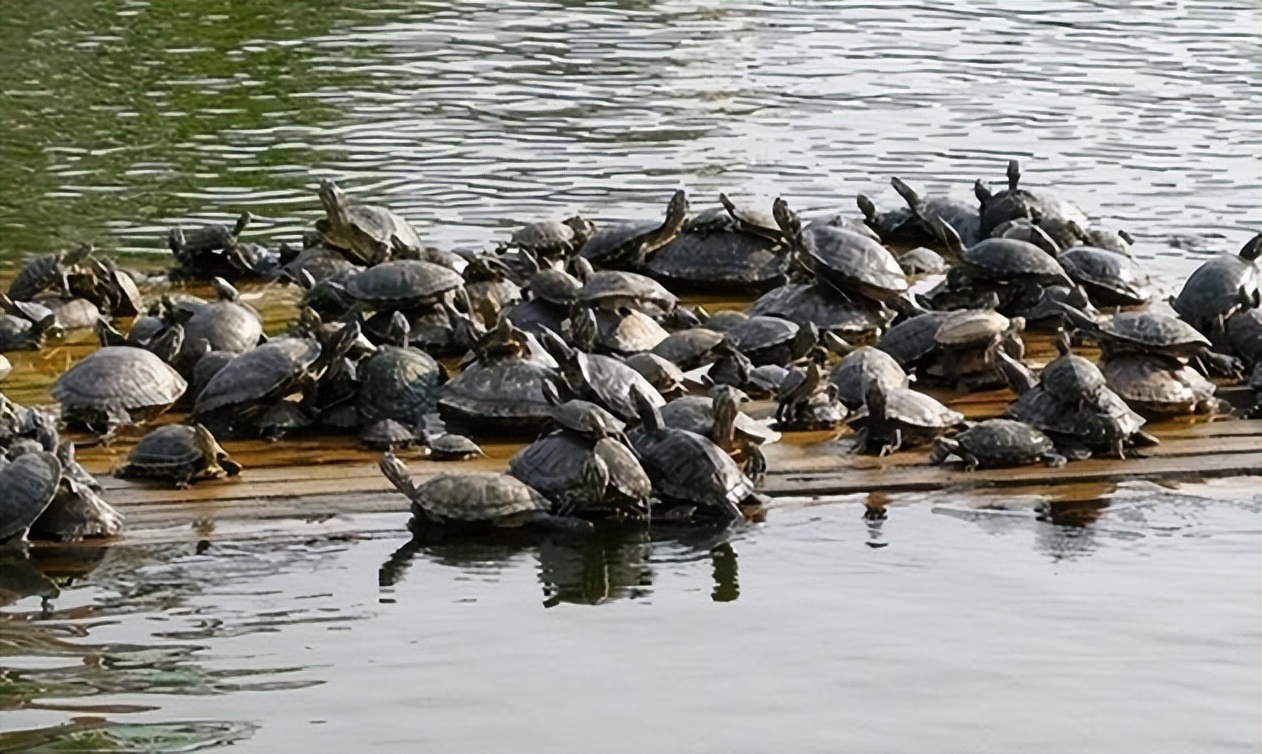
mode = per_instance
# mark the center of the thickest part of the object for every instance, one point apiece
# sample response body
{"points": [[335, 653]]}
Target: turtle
{"points": [[690, 349], [722, 321], [1003, 260], [70, 467], [282, 418], [862, 365], [190, 244], [850, 262], [45, 271], [731, 368], [583, 474], [114, 386], [315, 262], [627, 245], [27, 486], [71, 313], [1110, 279], [1104, 424], [772, 340], [997, 443], [825, 308], [403, 284], [1243, 336], [1141, 331], [1024, 229], [224, 325], [21, 334], [76, 512], [474, 501], [621, 332], [1221, 286], [842, 222], [719, 260], [552, 238], [661, 373], [1052, 214], [1070, 378], [490, 288], [752, 219], [922, 261], [687, 468], [499, 396], [613, 289], [553, 286], [367, 234], [388, 434], [806, 401], [398, 382], [178, 454], [580, 418], [1157, 386], [603, 380], [1108, 239], [451, 447], [101, 282], [912, 342], [963, 339], [893, 226], [893, 419], [699, 414], [912, 227]]}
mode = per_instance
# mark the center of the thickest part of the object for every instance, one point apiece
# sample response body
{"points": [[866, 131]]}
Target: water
{"points": [[1127, 622]]}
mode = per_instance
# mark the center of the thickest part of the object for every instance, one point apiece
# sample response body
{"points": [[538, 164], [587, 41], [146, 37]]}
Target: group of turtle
{"points": [[572, 332]]}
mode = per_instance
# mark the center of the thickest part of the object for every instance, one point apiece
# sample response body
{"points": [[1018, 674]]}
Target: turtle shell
{"points": [[769, 340], [225, 325], [173, 452], [825, 307], [268, 371], [505, 396], [398, 383], [687, 467], [1004, 442], [1006, 259], [387, 434], [912, 341], [1150, 331], [627, 331], [661, 373], [586, 419], [27, 486], [695, 413], [471, 498], [862, 365], [1244, 334], [854, 263], [123, 377], [689, 349], [612, 289], [719, 260], [1216, 288], [1155, 387], [963, 329], [614, 385], [449, 447], [555, 287], [912, 409], [536, 315], [559, 466], [403, 284], [1109, 278]]}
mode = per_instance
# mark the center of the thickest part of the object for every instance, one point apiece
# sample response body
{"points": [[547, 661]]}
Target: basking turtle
{"points": [[1106, 424], [1220, 287], [825, 308], [997, 443], [1054, 215], [772, 340], [224, 325], [475, 501], [1004, 260], [719, 260], [896, 418], [752, 219], [1156, 386], [27, 486], [627, 245], [662, 374], [612, 290], [21, 334], [719, 418], [862, 365], [580, 418], [850, 262], [689, 349], [398, 382], [1108, 239], [584, 475], [449, 447], [498, 396], [688, 468], [45, 271], [178, 454], [912, 342], [912, 227], [963, 340], [367, 234], [1070, 378], [553, 238], [1109, 278], [403, 284], [808, 402], [1142, 332], [621, 332], [388, 434], [490, 288], [115, 386], [77, 511], [922, 261]]}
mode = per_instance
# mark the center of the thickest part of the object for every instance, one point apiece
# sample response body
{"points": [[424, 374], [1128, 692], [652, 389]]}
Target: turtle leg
{"points": [[1052, 460], [755, 465], [971, 462]]}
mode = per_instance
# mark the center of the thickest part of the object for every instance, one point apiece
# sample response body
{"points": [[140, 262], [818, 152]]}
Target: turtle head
{"points": [[243, 221], [946, 235], [677, 211], [914, 200], [1014, 174], [334, 201], [982, 193], [206, 444], [1063, 345], [727, 404], [108, 335], [942, 449], [650, 416], [788, 220], [176, 242], [555, 345], [1252, 249], [168, 343], [581, 268], [584, 328], [80, 253], [868, 208], [583, 230], [397, 473], [595, 478], [875, 395], [398, 330]]}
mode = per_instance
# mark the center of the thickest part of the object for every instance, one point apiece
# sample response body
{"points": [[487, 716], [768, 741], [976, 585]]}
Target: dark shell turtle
{"points": [[1155, 386], [689, 349], [225, 325], [922, 261], [449, 447], [1109, 278], [117, 385], [76, 513], [849, 262], [318, 262], [662, 374], [178, 454], [1106, 424], [27, 486], [689, 468], [582, 475], [1004, 260], [403, 284], [1070, 378], [388, 434], [43, 272], [911, 226], [473, 500], [607, 382], [624, 331], [722, 321], [555, 287], [997, 443], [772, 340], [21, 334], [612, 290], [504, 396], [752, 218], [696, 413], [842, 222], [807, 402], [270, 371], [1054, 215], [1110, 240], [912, 342], [898, 418], [1220, 287], [553, 238], [368, 234], [823, 307], [719, 260], [1244, 335], [537, 315], [627, 245], [862, 365], [398, 383], [1022, 229], [1143, 332]]}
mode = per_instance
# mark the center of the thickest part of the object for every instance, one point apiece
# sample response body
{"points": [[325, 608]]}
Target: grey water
{"points": [[1129, 622]]}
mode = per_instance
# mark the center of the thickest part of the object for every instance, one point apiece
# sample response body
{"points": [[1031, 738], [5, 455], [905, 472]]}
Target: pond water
{"points": [[1128, 621]]}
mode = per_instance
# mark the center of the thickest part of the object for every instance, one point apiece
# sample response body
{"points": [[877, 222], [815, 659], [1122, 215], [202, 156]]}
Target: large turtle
{"points": [[114, 386], [367, 234], [500, 396], [398, 382], [1003, 260], [27, 486], [997, 443], [689, 349], [474, 501], [178, 454], [850, 262], [862, 365], [403, 284], [824, 307], [612, 290], [224, 325], [772, 340], [1109, 278], [1156, 386], [627, 245], [1220, 287], [584, 475], [911, 227], [1104, 424], [896, 418], [1142, 332]]}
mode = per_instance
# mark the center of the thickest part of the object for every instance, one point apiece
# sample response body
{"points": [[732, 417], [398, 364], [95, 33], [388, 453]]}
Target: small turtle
{"points": [[898, 418], [178, 454], [997, 443], [20, 334], [732, 368], [772, 340], [1221, 286], [43, 272], [627, 245], [662, 374], [474, 501], [862, 365], [27, 486], [403, 284], [912, 342], [689, 349], [1070, 378], [688, 468], [1143, 332], [726, 425], [1156, 386], [283, 418], [850, 262], [368, 234], [388, 434], [580, 418], [449, 447], [553, 238], [398, 382], [76, 513], [115, 386], [71, 313], [752, 219], [911, 226], [1109, 278], [1004, 260], [583, 475], [190, 244], [612, 290], [825, 308], [922, 261], [808, 402], [1024, 229]]}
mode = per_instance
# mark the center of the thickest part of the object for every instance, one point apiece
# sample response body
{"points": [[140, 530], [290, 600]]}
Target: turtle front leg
{"points": [[971, 462]]}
